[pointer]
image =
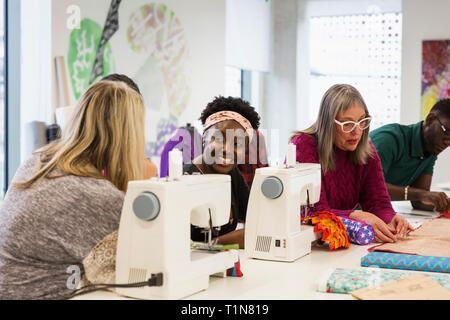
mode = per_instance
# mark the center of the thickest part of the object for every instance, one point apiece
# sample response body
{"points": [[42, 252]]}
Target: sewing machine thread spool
{"points": [[175, 164], [291, 157]]}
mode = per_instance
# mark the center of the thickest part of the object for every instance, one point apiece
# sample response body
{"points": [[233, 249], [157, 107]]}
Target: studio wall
{"points": [[422, 20], [174, 50]]}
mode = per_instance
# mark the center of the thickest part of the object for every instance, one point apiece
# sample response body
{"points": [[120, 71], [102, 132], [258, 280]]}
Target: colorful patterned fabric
{"points": [[229, 115], [332, 229], [406, 262], [358, 232], [347, 280], [235, 271]]}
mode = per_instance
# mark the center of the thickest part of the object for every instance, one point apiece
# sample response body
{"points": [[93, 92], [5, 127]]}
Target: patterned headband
{"points": [[229, 115]]}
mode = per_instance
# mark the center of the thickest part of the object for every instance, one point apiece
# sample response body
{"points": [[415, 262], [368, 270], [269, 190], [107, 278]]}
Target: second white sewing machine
{"points": [[272, 228], [154, 243]]}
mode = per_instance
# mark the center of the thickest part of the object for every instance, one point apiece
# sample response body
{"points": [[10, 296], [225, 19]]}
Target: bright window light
{"points": [[363, 51]]}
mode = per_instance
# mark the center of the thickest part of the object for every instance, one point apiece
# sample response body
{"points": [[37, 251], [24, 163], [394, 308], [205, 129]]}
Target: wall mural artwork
{"points": [[435, 73], [111, 27], [154, 34], [155, 31], [83, 47]]}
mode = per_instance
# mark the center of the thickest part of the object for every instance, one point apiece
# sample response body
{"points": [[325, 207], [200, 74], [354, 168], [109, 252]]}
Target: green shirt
{"points": [[401, 153]]}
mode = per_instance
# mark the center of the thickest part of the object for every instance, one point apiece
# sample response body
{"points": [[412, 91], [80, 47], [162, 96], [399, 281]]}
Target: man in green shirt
{"points": [[408, 155]]}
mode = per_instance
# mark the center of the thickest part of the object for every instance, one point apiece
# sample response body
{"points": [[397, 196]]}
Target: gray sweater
{"points": [[47, 230]]}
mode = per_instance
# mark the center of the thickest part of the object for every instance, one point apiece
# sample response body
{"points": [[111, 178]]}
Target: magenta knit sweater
{"points": [[350, 184]]}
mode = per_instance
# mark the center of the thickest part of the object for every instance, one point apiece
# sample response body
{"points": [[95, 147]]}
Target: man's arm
{"points": [[415, 191], [233, 237], [420, 195], [421, 185]]}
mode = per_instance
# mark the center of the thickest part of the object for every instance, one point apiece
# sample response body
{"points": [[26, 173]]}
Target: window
{"points": [[2, 100], [363, 51], [233, 82], [244, 84]]}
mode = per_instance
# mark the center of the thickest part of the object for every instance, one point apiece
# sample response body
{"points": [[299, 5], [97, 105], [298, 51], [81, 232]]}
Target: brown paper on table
{"points": [[431, 239], [415, 287]]}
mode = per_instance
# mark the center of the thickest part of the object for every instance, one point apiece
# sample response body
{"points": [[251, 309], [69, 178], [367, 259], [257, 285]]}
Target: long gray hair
{"points": [[337, 99]]}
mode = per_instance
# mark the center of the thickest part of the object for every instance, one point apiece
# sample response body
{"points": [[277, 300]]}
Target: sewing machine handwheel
{"points": [[272, 187], [146, 206]]}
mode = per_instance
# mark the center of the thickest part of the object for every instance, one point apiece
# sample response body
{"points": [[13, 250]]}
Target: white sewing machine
{"points": [[272, 228], [154, 235]]}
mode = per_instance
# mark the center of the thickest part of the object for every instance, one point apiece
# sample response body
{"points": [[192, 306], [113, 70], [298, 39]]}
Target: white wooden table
{"points": [[283, 280]]}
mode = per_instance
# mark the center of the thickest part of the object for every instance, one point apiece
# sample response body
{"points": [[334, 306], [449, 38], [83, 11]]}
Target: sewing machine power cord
{"points": [[156, 280]]}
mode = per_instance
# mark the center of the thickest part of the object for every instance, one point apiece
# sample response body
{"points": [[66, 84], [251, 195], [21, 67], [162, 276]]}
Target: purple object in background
{"points": [[164, 129], [188, 141], [358, 232]]}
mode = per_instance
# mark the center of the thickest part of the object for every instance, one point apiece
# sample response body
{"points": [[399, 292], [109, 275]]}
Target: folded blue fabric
{"points": [[406, 262]]}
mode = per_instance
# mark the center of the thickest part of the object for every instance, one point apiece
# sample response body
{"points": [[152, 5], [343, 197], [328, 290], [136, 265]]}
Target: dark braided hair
{"points": [[122, 78], [231, 104]]}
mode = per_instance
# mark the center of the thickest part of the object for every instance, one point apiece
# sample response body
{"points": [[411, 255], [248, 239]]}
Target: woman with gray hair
{"points": [[351, 169]]}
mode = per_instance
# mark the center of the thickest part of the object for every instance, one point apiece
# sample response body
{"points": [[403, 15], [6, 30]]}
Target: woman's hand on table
{"points": [[401, 226], [383, 232]]}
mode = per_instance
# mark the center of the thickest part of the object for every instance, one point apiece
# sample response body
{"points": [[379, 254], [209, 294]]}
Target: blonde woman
{"points": [[351, 169], [60, 205], [150, 169]]}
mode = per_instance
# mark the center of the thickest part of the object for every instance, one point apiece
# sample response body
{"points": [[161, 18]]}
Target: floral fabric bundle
{"points": [[332, 228]]}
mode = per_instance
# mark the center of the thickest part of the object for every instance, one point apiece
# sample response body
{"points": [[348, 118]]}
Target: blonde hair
{"points": [[337, 99], [105, 134]]}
